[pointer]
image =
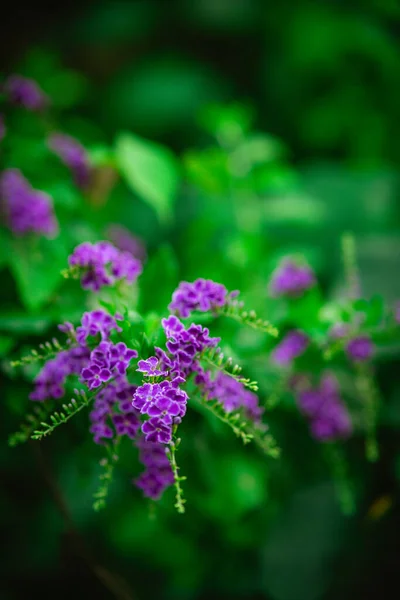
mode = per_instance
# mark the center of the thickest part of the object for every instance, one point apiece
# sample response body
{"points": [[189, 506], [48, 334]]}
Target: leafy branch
{"points": [[216, 358], [107, 464], [32, 422], [46, 351], [58, 418], [234, 310], [179, 499]]}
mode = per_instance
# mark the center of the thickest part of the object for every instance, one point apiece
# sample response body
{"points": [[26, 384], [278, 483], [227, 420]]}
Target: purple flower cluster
{"points": [[97, 322], [106, 361], [293, 345], [158, 474], [124, 240], [291, 279], [328, 415], [360, 349], [233, 396], [165, 403], [73, 155], [202, 295], [103, 265], [25, 92], [113, 406], [101, 363], [50, 381], [25, 209]]}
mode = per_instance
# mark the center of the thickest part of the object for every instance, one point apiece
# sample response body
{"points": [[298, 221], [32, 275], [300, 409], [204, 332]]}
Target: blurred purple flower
{"points": [[73, 155], [25, 92], [291, 279], [360, 349], [293, 345], [24, 209], [202, 295]]}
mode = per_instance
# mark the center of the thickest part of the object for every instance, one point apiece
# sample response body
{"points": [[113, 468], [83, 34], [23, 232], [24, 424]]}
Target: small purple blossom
{"points": [[360, 349], [108, 408], [49, 383], [328, 415], [202, 295], [291, 279], [73, 155], [24, 209], [97, 322], [25, 92], [293, 345], [94, 376], [124, 240], [158, 474], [126, 424], [145, 395], [233, 396], [103, 265], [155, 430], [101, 431], [151, 367]]}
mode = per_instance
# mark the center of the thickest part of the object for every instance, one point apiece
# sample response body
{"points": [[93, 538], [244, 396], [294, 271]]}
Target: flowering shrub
{"points": [[140, 347]]}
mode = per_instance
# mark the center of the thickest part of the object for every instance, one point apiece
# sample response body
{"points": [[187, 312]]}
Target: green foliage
{"points": [[216, 358], [179, 499], [234, 310], [150, 171], [37, 269], [59, 418], [107, 465]]}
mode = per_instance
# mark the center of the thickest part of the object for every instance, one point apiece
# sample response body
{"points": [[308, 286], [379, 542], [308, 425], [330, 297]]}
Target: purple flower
{"points": [[25, 92], [120, 357], [158, 474], [293, 345], [25, 210], [126, 424], [328, 415], [151, 367], [145, 395], [94, 376], [233, 396], [202, 295], [359, 349], [165, 409], [291, 279], [73, 155], [101, 431], [155, 430], [49, 383], [103, 265], [125, 241], [97, 322]]}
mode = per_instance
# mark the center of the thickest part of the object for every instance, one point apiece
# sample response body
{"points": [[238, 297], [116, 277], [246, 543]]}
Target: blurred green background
{"points": [[282, 125]]}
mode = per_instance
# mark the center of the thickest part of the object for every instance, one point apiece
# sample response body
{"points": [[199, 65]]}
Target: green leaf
{"points": [[150, 170], [36, 265], [6, 343], [21, 323], [158, 281]]}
